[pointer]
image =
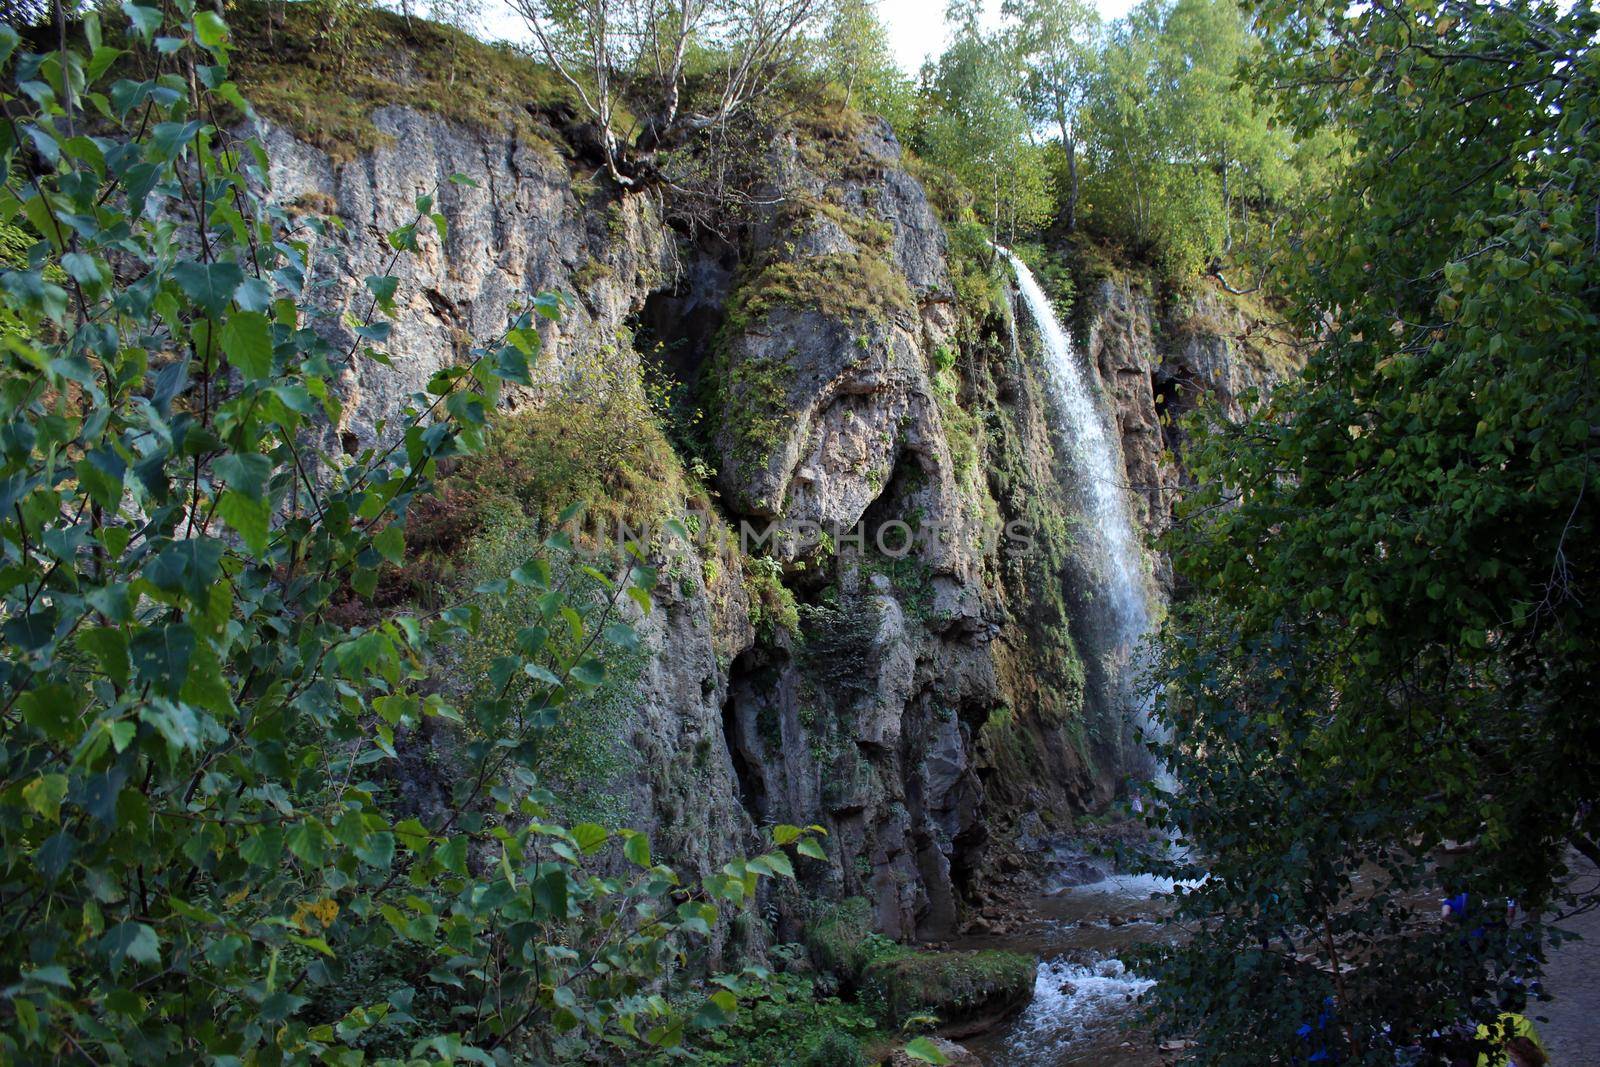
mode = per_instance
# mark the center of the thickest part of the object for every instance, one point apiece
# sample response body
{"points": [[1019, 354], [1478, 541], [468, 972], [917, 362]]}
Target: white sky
{"points": [[917, 30], [916, 27]]}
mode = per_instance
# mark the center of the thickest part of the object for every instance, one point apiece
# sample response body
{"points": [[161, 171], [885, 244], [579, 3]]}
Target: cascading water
{"points": [[1083, 992], [1098, 461]]}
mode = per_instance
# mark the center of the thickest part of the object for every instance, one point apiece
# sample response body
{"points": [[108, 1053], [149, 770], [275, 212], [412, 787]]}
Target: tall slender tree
{"points": [[1055, 39]]}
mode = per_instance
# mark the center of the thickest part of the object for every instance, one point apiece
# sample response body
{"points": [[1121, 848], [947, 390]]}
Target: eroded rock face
{"points": [[856, 721], [931, 690], [1157, 361], [520, 228]]}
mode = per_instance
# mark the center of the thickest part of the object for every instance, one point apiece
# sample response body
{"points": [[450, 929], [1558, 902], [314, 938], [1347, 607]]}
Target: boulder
{"points": [[968, 991]]}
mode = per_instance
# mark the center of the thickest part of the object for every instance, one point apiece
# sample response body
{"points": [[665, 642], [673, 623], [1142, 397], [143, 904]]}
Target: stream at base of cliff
{"points": [[1087, 998]]}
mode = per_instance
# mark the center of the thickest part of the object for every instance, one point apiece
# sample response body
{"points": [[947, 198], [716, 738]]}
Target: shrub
{"points": [[201, 850], [834, 1048], [785, 1020], [838, 938]]}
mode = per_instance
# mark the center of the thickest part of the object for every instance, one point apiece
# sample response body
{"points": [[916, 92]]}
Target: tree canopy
{"points": [[1390, 639]]}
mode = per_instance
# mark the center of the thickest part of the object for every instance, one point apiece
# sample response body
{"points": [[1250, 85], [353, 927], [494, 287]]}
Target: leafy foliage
{"points": [[202, 849], [1184, 161], [975, 125], [1390, 646]]}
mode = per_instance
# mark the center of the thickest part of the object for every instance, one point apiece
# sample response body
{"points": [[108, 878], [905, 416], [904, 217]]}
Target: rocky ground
{"points": [[1570, 1024]]}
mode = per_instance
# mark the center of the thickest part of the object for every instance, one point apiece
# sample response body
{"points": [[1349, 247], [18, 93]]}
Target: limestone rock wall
{"points": [[929, 694]]}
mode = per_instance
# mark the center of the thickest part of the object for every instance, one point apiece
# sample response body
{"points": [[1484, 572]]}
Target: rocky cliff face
{"points": [[892, 650], [1158, 356]]}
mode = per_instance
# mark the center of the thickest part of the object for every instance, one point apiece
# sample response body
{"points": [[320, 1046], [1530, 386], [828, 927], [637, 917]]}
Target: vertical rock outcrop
{"points": [[891, 652]]}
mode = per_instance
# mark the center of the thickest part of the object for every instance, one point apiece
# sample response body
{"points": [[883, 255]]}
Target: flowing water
{"points": [[1113, 546], [1085, 995], [1085, 1008], [1097, 459]]}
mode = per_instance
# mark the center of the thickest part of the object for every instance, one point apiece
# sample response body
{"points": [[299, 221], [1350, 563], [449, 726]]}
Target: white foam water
{"points": [[1068, 1000], [1097, 457]]}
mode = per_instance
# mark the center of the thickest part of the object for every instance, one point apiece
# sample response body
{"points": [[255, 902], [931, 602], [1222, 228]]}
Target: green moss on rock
{"points": [[849, 286], [327, 93], [749, 400], [967, 990]]}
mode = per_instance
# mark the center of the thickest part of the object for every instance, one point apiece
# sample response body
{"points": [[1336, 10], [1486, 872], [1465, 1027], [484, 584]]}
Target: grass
{"points": [[327, 94]]}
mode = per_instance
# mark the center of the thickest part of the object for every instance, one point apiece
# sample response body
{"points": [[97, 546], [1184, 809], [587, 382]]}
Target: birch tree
{"points": [[1056, 41], [587, 43]]}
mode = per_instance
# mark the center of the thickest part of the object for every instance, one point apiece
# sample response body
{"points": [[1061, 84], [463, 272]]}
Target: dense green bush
{"points": [[1390, 642], [785, 1018], [202, 850]]}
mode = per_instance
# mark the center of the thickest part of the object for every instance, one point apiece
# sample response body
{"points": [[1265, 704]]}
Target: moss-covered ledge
{"points": [[969, 991]]}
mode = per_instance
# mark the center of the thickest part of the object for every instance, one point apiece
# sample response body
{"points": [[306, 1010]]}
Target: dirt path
{"points": [[1572, 1028]]}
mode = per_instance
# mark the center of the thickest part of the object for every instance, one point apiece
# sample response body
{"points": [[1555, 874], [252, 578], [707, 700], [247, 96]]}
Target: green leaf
{"points": [[922, 1049], [101, 472], [247, 472], [175, 721], [191, 566], [383, 287], [250, 518], [210, 30], [622, 636], [390, 543], [108, 647], [591, 671], [452, 855], [130, 941], [812, 848], [773, 863], [637, 849], [308, 843], [377, 850], [262, 848], [145, 20], [161, 656], [206, 686], [44, 795], [52, 975], [209, 285], [550, 893], [53, 709], [247, 340], [589, 837], [413, 836], [9, 38]]}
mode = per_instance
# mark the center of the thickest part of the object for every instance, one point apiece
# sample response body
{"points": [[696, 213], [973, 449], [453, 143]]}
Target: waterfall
{"points": [[1098, 461]]}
